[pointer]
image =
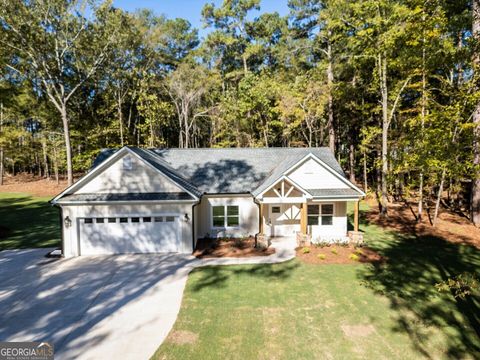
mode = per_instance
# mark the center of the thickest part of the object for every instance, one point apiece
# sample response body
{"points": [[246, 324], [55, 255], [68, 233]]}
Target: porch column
{"points": [[303, 219], [260, 216], [355, 215]]}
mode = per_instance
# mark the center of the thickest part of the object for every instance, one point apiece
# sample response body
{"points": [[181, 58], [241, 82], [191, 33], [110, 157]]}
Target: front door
{"points": [[284, 219]]}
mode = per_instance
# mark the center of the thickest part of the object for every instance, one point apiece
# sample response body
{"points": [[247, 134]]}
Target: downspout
{"points": [[259, 218], [193, 224]]}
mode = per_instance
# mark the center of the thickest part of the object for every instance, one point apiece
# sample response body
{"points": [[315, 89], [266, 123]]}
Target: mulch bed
{"points": [[229, 247], [338, 255], [450, 226]]}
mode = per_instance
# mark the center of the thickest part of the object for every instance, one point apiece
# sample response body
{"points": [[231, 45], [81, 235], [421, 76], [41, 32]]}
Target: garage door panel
{"points": [[129, 237]]}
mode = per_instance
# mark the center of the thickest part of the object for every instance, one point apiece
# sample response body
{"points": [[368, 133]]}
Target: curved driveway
{"points": [[100, 306]]}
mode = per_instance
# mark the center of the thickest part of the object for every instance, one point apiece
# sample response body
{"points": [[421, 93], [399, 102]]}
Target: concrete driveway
{"points": [[91, 307]]}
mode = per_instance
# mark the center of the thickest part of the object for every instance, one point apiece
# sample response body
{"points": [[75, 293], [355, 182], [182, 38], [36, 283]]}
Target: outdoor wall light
{"points": [[67, 222], [186, 217]]}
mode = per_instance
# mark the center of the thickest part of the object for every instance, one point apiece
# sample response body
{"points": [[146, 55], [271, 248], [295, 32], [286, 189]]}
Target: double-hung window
{"points": [[225, 216], [320, 214]]}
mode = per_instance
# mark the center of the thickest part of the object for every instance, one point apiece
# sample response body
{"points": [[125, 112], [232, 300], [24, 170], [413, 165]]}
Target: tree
{"points": [[476, 117], [58, 49], [188, 86]]}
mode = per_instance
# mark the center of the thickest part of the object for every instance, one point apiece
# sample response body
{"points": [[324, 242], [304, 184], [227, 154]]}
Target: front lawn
{"points": [[296, 310], [27, 221]]}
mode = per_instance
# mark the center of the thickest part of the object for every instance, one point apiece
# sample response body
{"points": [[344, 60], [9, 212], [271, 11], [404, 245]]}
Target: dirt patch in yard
{"points": [[229, 247], [450, 226], [354, 331], [334, 254], [182, 337], [26, 183]]}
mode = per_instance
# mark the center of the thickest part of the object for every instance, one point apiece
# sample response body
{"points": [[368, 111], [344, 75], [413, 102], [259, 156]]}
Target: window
{"points": [[320, 214], [100, 220], [232, 216], [112, 220], [127, 163], [88, 221], [123, 220], [327, 214], [218, 216], [158, 218], [313, 212], [275, 209], [147, 219], [135, 219], [225, 216], [169, 219]]}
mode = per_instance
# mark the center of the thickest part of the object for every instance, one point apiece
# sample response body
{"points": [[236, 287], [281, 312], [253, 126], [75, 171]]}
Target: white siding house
{"points": [[164, 200]]}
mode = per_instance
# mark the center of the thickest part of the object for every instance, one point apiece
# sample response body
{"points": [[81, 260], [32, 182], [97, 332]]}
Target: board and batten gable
{"points": [[129, 174], [248, 216], [313, 175]]}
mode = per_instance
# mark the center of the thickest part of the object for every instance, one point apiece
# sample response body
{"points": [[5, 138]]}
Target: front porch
{"points": [[286, 210]]}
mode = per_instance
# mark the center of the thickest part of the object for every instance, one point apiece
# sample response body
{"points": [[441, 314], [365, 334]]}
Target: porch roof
{"points": [[333, 193]]}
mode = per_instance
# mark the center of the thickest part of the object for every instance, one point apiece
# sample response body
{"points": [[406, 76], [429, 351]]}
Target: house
{"points": [[163, 200]]}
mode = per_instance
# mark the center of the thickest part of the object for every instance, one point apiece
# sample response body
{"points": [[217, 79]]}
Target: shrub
{"points": [[321, 256], [462, 285], [306, 250], [359, 252], [322, 244], [354, 257], [334, 251]]}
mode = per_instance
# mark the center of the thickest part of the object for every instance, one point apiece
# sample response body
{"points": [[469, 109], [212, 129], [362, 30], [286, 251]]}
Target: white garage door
{"points": [[123, 235]]}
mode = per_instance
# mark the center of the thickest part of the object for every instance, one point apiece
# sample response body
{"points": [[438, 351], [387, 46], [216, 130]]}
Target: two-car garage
{"points": [[127, 228], [142, 233]]}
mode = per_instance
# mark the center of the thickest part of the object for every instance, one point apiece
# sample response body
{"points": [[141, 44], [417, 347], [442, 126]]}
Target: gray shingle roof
{"points": [[127, 197], [227, 170], [238, 170], [333, 192]]}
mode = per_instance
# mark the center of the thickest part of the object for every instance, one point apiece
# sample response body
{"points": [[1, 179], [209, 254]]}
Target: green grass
{"points": [[27, 222], [301, 311]]}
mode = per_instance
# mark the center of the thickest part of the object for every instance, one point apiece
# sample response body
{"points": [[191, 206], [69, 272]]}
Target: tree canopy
{"points": [[389, 85]]}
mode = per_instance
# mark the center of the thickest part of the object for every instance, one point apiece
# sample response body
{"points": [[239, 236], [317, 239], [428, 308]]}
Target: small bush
{"points": [[462, 285], [359, 252], [354, 257], [322, 244], [306, 250], [334, 251], [322, 256]]}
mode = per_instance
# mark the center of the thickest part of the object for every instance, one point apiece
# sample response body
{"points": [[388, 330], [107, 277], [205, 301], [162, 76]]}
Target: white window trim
{"points": [[320, 213], [225, 227]]}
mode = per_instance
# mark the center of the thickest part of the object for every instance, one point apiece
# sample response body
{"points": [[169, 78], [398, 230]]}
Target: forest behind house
{"points": [[390, 86]]}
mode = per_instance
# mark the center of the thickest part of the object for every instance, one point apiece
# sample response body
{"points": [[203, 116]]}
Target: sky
{"points": [[191, 9]]}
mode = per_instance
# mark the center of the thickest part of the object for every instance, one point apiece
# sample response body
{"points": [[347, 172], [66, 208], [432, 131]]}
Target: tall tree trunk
{"points": [[331, 125], [365, 180], [424, 89], [245, 66], [476, 121], [382, 68], [120, 117], [68, 146], [439, 197], [55, 163], [352, 163], [45, 158]]}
